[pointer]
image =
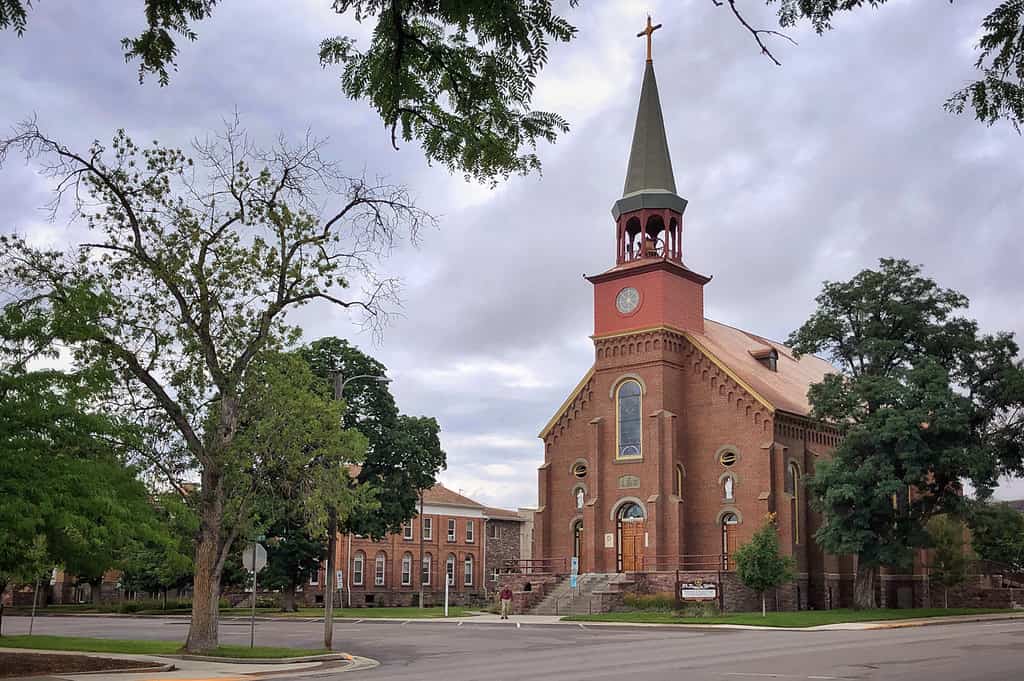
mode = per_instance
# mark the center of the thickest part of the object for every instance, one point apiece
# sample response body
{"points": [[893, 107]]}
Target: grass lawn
{"points": [[107, 645], [806, 618]]}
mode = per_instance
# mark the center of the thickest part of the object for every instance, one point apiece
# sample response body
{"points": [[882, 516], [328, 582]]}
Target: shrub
{"points": [[699, 609], [658, 601]]}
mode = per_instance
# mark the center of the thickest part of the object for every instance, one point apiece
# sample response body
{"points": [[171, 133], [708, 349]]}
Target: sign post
{"points": [[446, 595], [254, 559], [573, 571]]}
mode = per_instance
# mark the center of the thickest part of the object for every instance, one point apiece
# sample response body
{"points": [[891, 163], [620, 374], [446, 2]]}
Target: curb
{"points": [[327, 657]]}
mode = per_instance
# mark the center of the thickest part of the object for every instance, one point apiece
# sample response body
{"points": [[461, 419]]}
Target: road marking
{"points": [[358, 621], [822, 677], [518, 625], [460, 624], [406, 622], [581, 626]]}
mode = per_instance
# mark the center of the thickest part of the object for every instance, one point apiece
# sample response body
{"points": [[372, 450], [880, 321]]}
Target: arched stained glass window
{"points": [[629, 397]]}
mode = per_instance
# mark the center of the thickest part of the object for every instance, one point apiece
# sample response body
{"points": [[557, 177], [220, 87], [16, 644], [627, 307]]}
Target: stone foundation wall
{"points": [[527, 590], [734, 596]]}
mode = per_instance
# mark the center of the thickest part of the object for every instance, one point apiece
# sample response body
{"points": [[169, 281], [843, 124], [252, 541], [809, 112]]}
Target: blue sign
{"points": [[573, 570]]}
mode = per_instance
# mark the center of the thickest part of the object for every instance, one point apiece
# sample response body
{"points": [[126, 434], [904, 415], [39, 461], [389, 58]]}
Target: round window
{"points": [[727, 458], [580, 470]]}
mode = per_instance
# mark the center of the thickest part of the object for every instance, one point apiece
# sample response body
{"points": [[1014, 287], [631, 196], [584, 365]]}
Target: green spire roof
{"points": [[650, 182]]}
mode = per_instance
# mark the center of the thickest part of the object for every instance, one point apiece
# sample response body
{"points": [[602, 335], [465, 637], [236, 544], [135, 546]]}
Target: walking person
{"points": [[505, 597]]}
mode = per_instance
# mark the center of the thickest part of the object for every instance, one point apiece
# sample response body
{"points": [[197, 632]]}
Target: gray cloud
{"points": [[796, 174]]}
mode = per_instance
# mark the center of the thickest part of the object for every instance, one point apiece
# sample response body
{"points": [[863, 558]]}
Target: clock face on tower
{"points": [[627, 300]]}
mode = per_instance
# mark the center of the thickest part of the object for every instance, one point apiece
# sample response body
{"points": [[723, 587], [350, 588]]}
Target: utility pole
{"points": [[332, 547], [332, 525]]}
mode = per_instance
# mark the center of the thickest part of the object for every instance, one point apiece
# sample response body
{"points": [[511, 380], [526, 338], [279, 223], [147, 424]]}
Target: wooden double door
{"points": [[631, 545]]}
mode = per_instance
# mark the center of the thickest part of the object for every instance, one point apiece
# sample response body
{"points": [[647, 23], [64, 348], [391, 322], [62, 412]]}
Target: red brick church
{"points": [[686, 432]]}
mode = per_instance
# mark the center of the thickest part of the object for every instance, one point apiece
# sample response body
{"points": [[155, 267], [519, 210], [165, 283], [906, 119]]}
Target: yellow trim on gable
{"points": [[572, 396]]}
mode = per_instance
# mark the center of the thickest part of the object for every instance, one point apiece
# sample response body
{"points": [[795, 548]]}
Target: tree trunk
{"points": [[288, 599], [864, 587], [203, 629]]}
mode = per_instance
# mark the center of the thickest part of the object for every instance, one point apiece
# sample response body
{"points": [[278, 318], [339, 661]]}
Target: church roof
{"points": [[737, 351], [650, 182]]}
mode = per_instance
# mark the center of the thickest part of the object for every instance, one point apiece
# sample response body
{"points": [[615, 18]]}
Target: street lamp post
{"points": [[332, 524]]}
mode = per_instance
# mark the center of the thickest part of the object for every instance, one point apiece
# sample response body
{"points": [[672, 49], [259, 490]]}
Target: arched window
{"points": [[728, 484], [629, 396], [792, 486], [468, 570], [378, 569], [357, 568], [680, 476], [425, 570], [631, 512], [407, 569], [449, 569], [729, 523]]}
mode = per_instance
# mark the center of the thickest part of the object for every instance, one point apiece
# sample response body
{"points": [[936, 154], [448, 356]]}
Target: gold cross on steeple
{"points": [[648, 31]]}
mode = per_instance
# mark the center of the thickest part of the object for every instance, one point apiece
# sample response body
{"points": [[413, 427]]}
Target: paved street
{"points": [[989, 651]]}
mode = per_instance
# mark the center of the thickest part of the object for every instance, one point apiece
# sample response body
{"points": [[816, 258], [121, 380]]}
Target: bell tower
{"points": [[650, 285]]}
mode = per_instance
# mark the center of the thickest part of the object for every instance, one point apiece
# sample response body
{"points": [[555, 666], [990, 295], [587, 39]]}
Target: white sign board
{"points": [[254, 553], [609, 540], [698, 592], [338, 579]]}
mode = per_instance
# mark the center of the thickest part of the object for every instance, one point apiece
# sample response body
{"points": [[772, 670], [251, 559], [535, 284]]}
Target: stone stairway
{"points": [[594, 592]]}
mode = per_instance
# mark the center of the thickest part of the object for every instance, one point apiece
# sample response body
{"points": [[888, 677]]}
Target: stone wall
{"points": [[504, 547], [734, 596]]}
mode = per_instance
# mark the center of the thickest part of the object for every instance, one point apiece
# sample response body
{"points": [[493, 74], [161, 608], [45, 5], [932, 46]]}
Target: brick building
{"points": [[686, 432], [455, 538]]}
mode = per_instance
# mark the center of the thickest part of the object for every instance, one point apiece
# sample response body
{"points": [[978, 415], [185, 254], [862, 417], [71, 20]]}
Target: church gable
{"points": [[570, 410]]}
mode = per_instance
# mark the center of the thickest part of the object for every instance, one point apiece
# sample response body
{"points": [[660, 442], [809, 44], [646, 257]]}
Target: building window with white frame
{"points": [[379, 569], [469, 531], [495, 530], [449, 569], [357, 569], [407, 569], [494, 575], [451, 529], [428, 528], [425, 571], [468, 570], [407, 531], [314, 577]]}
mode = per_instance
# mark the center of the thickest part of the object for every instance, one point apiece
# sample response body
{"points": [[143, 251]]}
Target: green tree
{"points": [[922, 401], [293, 556], [64, 474], [163, 561], [403, 453], [997, 95], [188, 277], [457, 77], [997, 534], [759, 563], [950, 557]]}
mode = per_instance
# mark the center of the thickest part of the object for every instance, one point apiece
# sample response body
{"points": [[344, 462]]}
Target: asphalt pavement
{"points": [[461, 650]]}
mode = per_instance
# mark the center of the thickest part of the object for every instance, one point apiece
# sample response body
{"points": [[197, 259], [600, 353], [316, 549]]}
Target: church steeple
{"points": [[649, 214]]}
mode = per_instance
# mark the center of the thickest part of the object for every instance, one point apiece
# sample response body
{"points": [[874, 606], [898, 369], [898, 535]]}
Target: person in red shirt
{"points": [[505, 597]]}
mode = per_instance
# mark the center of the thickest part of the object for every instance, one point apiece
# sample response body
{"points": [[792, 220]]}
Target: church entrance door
{"points": [[631, 530]]}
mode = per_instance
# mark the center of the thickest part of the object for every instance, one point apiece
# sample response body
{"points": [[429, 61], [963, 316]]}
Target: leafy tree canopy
{"points": [[923, 401], [64, 479], [997, 534], [403, 454]]}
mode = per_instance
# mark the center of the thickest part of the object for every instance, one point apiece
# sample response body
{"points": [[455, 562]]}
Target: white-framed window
{"points": [[407, 530], [428, 528], [468, 570], [449, 569], [425, 571], [469, 531], [378, 570], [314, 577], [407, 569], [451, 529], [357, 568], [495, 531], [494, 575]]}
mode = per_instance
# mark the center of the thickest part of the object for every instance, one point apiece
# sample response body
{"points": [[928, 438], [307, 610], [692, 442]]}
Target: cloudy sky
{"points": [[797, 174]]}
